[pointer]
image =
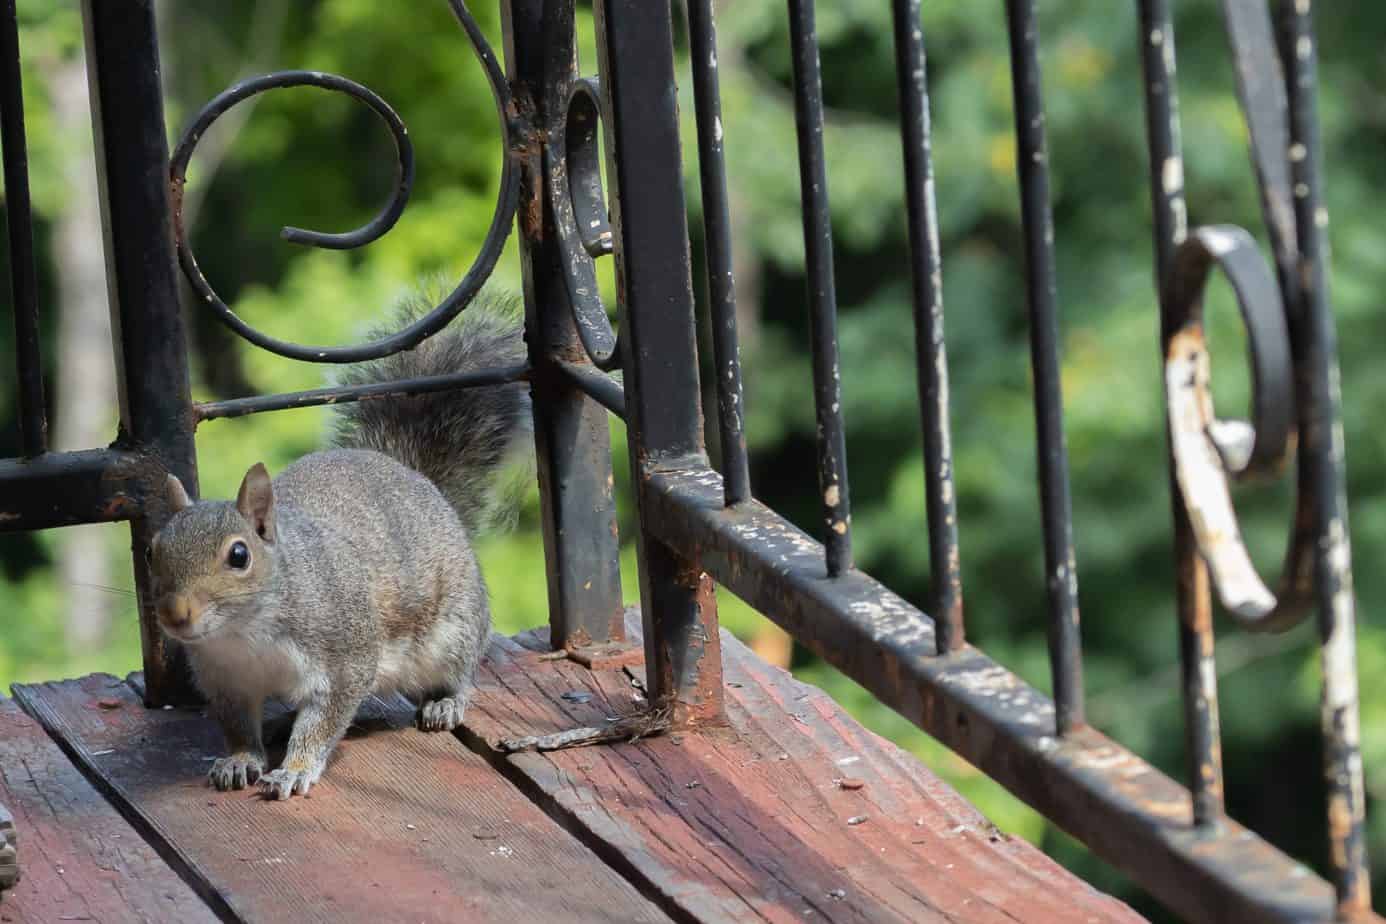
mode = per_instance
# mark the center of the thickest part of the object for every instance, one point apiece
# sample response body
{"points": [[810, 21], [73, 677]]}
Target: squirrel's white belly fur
{"points": [[418, 665], [259, 667], [279, 669]]}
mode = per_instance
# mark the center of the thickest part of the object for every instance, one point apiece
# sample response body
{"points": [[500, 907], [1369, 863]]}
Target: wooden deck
{"points": [[792, 812]]}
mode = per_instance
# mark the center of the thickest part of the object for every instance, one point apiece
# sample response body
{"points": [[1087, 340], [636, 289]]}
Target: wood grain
{"points": [[80, 861], [404, 826], [752, 822]]}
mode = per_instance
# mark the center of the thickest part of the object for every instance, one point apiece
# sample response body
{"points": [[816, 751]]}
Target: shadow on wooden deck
{"points": [[791, 812]]}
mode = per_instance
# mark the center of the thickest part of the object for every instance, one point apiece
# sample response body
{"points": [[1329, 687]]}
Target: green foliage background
{"points": [[314, 160]]}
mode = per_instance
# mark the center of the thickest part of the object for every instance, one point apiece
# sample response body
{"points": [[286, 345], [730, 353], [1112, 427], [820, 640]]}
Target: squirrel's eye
{"points": [[149, 554], [239, 556]]}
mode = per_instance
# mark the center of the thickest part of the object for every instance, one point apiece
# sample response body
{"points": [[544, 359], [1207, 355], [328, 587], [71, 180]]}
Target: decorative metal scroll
{"points": [[1295, 410], [580, 217], [456, 301], [1208, 452]]}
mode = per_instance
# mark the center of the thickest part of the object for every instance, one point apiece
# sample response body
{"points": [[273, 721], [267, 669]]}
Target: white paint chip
{"points": [[1172, 175]]}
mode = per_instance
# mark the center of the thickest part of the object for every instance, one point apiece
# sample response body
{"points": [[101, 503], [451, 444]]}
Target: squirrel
{"points": [[352, 572]]}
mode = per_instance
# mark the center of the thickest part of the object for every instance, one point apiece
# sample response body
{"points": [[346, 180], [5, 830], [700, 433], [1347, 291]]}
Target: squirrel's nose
{"points": [[176, 611]]}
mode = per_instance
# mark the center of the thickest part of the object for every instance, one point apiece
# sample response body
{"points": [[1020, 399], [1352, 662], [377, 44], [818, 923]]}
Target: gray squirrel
{"points": [[352, 572]]}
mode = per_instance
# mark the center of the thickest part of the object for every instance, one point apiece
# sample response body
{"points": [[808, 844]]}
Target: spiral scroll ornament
{"points": [[480, 270]]}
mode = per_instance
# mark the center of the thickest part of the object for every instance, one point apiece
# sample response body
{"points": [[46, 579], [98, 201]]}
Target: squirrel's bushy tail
{"points": [[458, 439]]}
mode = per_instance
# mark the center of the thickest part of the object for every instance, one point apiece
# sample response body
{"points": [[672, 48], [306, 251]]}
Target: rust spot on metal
{"points": [[1202, 477], [532, 215], [1340, 823]]}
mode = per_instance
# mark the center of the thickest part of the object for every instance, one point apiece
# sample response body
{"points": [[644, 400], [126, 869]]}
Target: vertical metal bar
{"points": [[1162, 128], [150, 348], [664, 417], [1197, 674], [1322, 444], [33, 421], [945, 569], [721, 287], [1061, 576], [822, 294], [1202, 740], [571, 435]]}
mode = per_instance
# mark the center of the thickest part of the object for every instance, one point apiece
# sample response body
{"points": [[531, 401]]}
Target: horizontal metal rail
{"points": [[597, 385], [1124, 809], [67, 488], [402, 388]]}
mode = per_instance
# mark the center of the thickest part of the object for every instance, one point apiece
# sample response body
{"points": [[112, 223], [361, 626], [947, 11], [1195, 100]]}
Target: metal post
{"points": [[1322, 445], [1032, 166], [572, 439], [150, 348], [721, 287], [33, 421], [664, 414], [931, 359], [822, 292], [1198, 667]]}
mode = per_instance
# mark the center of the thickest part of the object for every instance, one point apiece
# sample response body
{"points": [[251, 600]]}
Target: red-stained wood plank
{"points": [[752, 821], [80, 861], [404, 826]]}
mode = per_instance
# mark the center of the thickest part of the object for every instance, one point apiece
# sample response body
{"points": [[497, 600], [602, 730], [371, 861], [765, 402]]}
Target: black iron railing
{"points": [[697, 524]]}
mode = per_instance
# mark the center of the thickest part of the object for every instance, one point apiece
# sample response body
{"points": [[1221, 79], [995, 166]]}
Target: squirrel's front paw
{"points": [[442, 714], [288, 780], [237, 771]]}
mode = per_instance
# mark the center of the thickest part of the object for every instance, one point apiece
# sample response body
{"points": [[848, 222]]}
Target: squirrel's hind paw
{"points": [[282, 783], [442, 714], [236, 772]]}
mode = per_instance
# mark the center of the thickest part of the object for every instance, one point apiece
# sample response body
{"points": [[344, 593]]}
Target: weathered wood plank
{"points": [[80, 860], [754, 822], [405, 826]]}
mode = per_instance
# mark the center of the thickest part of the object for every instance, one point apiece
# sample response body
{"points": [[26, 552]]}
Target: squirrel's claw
{"points": [[442, 714], [281, 784], [236, 772]]}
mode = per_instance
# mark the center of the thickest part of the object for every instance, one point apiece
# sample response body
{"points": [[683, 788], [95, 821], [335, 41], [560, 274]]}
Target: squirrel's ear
{"points": [[256, 501], [175, 494]]}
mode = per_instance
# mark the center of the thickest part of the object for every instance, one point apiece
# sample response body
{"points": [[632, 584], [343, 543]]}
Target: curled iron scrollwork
{"points": [[429, 324], [1208, 452], [573, 164]]}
